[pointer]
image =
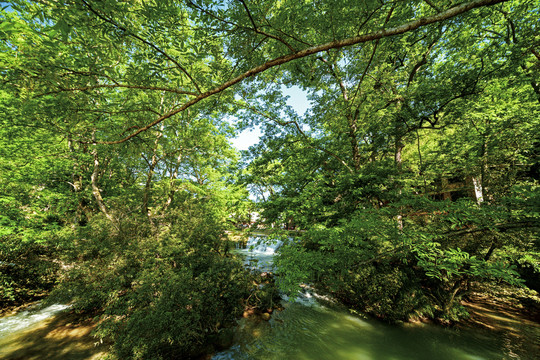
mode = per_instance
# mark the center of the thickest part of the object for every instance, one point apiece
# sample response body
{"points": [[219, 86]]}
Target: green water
{"points": [[331, 333], [307, 330]]}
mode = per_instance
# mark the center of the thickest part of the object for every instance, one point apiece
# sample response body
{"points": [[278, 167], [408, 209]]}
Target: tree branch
{"points": [[302, 133], [371, 57], [124, 29], [421, 62], [255, 27], [526, 224], [432, 5], [110, 86], [249, 14], [334, 73], [412, 25]]}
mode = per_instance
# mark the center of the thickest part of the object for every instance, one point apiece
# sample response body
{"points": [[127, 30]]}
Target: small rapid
{"points": [[259, 252], [27, 318]]}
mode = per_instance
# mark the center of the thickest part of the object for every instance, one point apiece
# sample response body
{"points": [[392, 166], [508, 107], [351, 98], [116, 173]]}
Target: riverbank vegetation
{"points": [[412, 180]]}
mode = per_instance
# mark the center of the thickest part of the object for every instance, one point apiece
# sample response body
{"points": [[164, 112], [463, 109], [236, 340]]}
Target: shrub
{"points": [[158, 295], [28, 270]]}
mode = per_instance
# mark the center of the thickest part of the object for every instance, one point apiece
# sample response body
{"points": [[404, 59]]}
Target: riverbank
{"points": [[514, 327], [12, 310]]}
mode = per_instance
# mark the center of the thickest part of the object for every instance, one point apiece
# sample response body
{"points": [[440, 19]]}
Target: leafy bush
{"points": [[423, 269], [159, 295], [27, 270]]}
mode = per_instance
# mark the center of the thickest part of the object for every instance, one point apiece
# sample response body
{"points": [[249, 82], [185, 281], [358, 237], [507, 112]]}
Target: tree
{"points": [[376, 116], [128, 105]]}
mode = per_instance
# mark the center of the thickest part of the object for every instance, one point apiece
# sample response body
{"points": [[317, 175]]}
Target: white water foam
{"points": [[27, 318]]}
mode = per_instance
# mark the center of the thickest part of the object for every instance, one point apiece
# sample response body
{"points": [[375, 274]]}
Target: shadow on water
{"points": [[518, 329], [57, 338]]}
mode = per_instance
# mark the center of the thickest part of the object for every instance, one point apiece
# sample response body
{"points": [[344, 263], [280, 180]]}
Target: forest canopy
{"points": [[411, 181]]}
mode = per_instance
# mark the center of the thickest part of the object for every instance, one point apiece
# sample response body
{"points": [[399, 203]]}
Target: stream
{"points": [[309, 328], [51, 333], [318, 330]]}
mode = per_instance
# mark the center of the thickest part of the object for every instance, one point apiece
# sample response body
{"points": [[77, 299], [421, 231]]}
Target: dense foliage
{"points": [[156, 295], [415, 172], [413, 176]]}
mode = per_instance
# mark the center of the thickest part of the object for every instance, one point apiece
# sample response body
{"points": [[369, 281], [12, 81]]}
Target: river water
{"points": [[312, 329], [50, 333], [307, 329], [27, 318]]}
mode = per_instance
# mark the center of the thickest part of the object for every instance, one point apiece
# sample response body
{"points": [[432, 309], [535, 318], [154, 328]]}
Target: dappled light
{"points": [[57, 338], [380, 201]]}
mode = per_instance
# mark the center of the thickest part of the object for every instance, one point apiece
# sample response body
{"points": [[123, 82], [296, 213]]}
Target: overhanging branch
{"points": [[337, 44]]}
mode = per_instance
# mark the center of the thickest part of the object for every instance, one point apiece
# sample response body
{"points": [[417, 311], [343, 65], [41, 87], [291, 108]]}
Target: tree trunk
{"points": [[479, 182], [353, 127], [173, 177], [478, 190], [152, 166], [398, 162], [77, 184], [97, 192]]}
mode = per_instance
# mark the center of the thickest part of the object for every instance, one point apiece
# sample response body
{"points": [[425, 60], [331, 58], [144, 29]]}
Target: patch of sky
{"points": [[297, 99]]}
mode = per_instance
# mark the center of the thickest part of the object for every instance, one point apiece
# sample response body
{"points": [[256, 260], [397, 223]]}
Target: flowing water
{"points": [[307, 329], [50, 333], [27, 318], [311, 329], [259, 252]]}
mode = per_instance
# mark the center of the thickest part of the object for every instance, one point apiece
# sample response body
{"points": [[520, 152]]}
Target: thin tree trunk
{"points": [[173, 177], [398, 162], [152, 167], [77, 184], [353, 127], [478, 182], [478, 190], [96, 191], [151, 172]]}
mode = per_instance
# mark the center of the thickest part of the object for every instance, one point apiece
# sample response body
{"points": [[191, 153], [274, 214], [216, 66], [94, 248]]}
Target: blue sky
{"points": [[297, 99]]}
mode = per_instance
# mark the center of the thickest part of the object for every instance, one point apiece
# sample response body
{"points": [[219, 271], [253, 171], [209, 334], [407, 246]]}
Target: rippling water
{"points": [[332, 333]]}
